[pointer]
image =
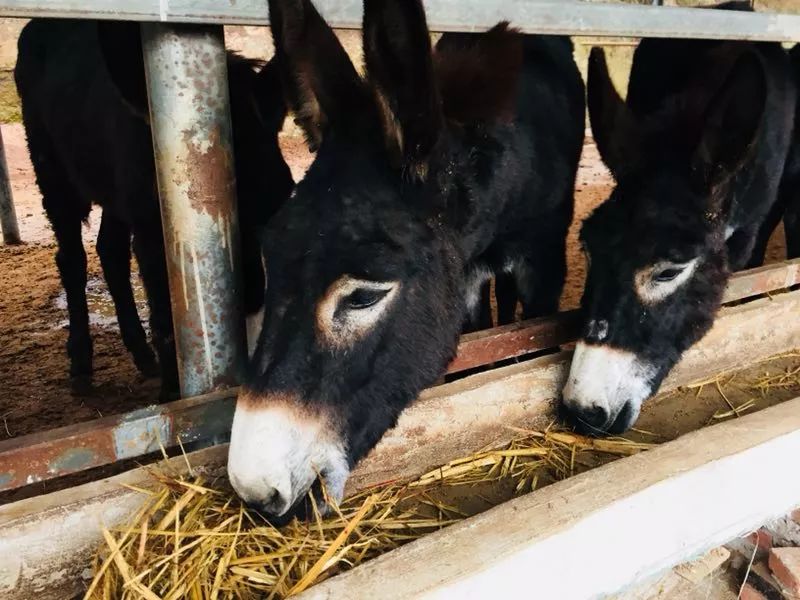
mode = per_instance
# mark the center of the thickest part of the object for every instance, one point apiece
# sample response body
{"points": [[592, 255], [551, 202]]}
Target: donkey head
{"points": [[362, 301], [656, 252]]}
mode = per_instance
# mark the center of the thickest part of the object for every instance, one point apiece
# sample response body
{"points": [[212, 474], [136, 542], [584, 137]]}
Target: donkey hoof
{"points": [[148, 367], [81, 385]]}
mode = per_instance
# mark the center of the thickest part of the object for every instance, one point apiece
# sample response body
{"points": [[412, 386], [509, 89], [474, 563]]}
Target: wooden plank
{"points": [[532, 16], [763, 280], [445, 423], [517, 339], [687, 580], [603, 530], [206, 419]]}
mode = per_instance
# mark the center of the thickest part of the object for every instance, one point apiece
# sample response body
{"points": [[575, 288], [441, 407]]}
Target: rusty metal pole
{"points": [[8, 216], [190, 117]]}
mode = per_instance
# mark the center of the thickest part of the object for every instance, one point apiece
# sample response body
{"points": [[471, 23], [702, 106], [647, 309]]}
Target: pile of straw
{"points": [[193, 539]]}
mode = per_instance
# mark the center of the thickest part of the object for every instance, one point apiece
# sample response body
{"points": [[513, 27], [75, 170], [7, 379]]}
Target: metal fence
{"points": [[574, 17], [202, 238]]}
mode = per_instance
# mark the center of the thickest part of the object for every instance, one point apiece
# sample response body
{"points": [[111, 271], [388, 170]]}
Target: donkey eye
{"points": [[667, 274], [363, 298]]}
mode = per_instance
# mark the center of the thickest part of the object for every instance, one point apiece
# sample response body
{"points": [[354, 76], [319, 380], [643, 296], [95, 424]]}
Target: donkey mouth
{"points": [[313, 504], [619, 423], [624, 419]]}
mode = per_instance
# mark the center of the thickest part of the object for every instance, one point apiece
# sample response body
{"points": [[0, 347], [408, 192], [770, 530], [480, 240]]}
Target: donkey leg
{"points": [[540, 278], [114, 249], [505, 291], [789, 200], [71, 262], [66, 212], [741, 248], [759, 250], [148, 245], [791, 225], [480, 316]]}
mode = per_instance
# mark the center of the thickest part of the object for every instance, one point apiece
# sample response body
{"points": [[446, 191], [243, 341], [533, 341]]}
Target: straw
{"points": [[194, 539]]}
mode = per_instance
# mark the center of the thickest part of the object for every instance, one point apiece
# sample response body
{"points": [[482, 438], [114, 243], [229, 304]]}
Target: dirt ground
{"points": [[35, 393]]}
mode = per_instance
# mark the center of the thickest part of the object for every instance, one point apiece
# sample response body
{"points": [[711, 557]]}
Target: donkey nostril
{"points": [[596, 331], [271, 503], [596, 416]]}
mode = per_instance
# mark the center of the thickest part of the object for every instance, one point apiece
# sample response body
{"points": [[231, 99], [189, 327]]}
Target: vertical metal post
{"points": [[8, 216], [190, 118]]}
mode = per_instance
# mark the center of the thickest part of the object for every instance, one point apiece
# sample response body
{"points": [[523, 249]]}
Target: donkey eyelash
{"points": [[668, 274], [363, 298]]}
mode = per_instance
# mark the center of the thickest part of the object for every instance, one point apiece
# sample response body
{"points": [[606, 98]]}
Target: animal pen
{"points": [[592, 534]]}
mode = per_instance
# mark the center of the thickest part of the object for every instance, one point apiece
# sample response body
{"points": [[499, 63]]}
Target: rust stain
{"points": [[34, 462], [210, 175]]}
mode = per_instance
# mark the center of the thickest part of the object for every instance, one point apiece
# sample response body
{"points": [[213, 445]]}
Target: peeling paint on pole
{"points": [[190, 116]]}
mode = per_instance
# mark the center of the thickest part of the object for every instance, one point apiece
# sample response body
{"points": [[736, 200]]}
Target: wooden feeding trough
{"points": [[663, 506]]}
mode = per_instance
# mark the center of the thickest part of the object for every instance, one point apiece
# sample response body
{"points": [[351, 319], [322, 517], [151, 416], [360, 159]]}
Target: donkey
{"points": [[697, 152], [787, 207], [84, 106], [434, 171]]}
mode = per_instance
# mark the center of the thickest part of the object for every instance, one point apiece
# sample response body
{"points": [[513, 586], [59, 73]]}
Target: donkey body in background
{"points": [[84, 107], [787, 207], [697, 152], [435, 171]]}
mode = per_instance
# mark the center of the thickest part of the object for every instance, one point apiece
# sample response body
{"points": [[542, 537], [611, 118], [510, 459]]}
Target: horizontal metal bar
{"points": [[206, 420], [532, 16], [200, 421]]}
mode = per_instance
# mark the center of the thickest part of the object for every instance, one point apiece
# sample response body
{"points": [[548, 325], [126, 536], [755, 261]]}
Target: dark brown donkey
{"points": [[436, 170]]}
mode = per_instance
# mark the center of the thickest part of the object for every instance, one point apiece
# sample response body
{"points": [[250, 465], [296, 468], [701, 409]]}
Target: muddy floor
{"points": [[35, 393]]}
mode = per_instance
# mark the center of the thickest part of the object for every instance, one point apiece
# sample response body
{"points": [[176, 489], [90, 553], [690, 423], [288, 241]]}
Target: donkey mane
{"points": [[478, 75]]}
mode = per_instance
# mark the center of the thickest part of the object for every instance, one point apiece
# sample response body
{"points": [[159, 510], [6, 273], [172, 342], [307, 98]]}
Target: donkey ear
{"points": [[269, 98], [731, 124], [397, 52], [320, 84], [614, 126]]}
